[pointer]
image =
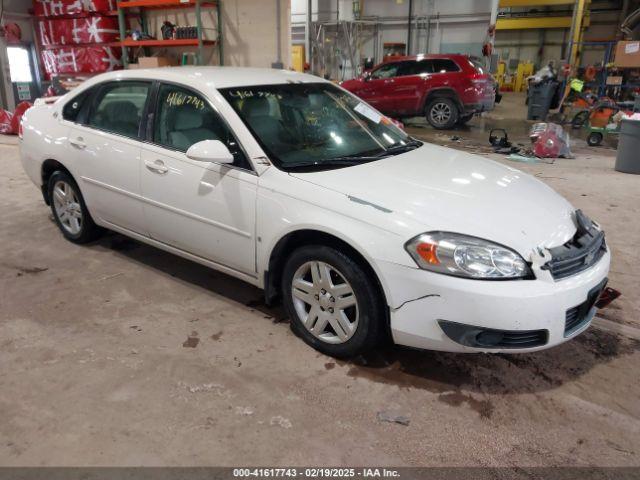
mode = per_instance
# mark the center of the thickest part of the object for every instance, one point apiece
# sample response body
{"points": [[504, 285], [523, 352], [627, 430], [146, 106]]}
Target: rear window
{"points": [[477, 64], [443, 65], [119, 107], [72, 108]]}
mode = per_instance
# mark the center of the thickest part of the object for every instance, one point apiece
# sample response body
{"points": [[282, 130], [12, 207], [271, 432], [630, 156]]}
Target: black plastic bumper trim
{"points": [[481, 337]]}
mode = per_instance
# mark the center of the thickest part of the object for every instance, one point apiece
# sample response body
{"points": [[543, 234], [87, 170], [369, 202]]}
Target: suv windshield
{"points": [[316, 125]]}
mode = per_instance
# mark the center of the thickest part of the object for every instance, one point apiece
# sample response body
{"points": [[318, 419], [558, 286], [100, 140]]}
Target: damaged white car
{"points": [[296, 186]]}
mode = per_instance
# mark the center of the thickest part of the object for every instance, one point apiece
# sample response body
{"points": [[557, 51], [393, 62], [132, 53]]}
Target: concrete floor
{"points": [[119, 354]]}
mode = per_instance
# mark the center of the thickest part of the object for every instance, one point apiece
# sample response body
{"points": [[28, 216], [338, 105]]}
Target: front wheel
{"points": [[442, 113], [69, 210], [332, 302]]}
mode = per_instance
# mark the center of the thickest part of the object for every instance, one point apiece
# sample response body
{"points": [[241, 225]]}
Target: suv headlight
{"points": [[465, 256]]}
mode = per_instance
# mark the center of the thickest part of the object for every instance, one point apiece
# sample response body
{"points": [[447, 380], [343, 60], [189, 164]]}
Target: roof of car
{"points": [[212, 77], [401, 58]]}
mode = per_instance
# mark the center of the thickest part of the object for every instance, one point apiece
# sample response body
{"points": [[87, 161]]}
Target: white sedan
{"points": [[296, 186]]}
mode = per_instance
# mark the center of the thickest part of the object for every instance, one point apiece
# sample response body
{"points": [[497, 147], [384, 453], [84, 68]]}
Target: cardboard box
{"points": [[153, 62], [614, 80], [628, 54]]}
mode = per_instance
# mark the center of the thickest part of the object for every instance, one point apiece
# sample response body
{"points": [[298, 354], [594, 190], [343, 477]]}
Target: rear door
{"points": [[105, 145], [204, 208]]}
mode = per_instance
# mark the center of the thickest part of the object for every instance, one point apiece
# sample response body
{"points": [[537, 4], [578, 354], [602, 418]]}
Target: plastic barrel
{"points": [[627, 158], [540, 97]]}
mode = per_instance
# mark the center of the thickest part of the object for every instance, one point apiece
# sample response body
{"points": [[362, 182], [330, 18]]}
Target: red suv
{"points": [[447, 89]]}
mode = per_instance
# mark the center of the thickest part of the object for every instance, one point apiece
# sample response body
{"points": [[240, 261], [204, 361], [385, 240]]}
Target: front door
{"points": [[107, 148], [204, 208], [406, 89], [377, 90]]}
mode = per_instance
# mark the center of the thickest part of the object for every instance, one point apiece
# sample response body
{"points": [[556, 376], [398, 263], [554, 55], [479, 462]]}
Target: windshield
{"points": [[315, 125]]}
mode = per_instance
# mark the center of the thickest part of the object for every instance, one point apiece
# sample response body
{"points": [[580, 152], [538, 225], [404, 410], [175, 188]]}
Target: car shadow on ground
{"points": [[440, 372]]}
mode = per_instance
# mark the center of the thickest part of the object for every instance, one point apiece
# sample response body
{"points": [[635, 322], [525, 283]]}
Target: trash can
{"points": [[627, 158], [540, 96]]}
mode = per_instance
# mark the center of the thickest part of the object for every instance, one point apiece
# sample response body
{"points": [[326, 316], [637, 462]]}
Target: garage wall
{"points": [[249, 31], [15, 11], [438, 26], [453, 26], [536, 46]]}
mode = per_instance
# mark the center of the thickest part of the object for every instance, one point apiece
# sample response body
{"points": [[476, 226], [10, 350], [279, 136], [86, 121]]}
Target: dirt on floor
{"points": [[116, 353]]}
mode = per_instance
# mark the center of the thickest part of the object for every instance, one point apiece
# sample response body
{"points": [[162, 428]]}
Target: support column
{"points": [[495, 6], [308, 33], [576, 32]]}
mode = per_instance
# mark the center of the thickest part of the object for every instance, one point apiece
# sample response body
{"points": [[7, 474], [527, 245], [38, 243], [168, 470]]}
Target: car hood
{"points": [[443, 189]]}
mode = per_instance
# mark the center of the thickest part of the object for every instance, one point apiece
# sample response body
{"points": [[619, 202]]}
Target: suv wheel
{"points": [[442, 113], [69, 210], [333, 304]]}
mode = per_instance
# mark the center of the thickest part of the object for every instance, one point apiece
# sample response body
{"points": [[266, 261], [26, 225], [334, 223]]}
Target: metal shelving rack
{"points": [[601, 84], [199, 42]]}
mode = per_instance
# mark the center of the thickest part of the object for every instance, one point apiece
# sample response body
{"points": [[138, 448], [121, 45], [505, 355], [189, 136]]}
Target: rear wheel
{"points": [[69, 210], [332, 302], [594, 139], [442, 113]]}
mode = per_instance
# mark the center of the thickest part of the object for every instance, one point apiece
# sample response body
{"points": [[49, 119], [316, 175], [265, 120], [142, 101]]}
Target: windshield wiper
{"points": [[345, 161], [400, 148]]}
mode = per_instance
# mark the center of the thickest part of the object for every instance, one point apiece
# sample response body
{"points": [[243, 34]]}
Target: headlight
{"points": [[464, 256]]}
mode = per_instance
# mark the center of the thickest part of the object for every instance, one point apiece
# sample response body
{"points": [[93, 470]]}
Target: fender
{"points": [[440, 91]]}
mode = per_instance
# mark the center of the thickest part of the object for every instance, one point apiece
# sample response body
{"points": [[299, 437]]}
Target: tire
{"points": [[464, 119], [442, 113], [69, 210], [337, 332], [594, 139]]}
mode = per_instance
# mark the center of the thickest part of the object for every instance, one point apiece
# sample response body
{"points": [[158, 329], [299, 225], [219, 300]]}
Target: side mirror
{"points": [[210, 151], [366, 76]]}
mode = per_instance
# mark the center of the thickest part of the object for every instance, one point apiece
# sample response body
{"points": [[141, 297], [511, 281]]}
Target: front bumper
{"points": [[421, 299]]}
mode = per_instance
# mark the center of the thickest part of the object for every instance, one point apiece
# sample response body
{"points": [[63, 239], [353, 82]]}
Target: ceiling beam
{"points": [[534, 3], [525, 23]]}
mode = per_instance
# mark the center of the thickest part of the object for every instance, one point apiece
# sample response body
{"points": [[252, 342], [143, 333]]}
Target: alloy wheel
{"points": [[325, 302], [67, 207], [440, 113]]}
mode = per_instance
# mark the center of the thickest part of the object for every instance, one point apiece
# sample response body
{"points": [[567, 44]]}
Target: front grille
{"points": [[573, 320], [584, 250], [480, 337], [578, 316], [523, 339]]}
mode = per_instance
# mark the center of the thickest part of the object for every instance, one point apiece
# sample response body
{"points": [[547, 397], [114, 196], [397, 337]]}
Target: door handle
{"points": [[78, 142], [157, 166]]}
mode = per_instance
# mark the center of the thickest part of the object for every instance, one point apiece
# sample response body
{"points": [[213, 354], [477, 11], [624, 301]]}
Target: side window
{"points": [[407, 68], [386, 71], [424, 66], [119, 108], [442, 65], [72, 108], [183, 118]]}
